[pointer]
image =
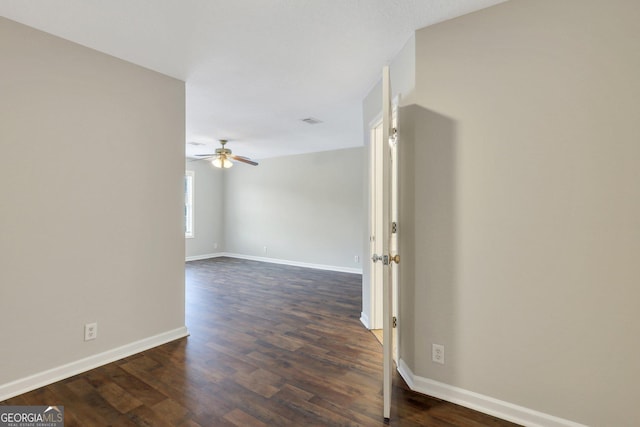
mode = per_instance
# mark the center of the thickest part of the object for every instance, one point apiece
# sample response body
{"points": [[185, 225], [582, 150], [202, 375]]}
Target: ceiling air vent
{"points": [[311, 121], [195, 143]]}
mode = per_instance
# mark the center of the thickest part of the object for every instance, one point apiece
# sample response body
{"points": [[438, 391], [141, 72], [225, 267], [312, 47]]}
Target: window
{"points": [[188, 203]]}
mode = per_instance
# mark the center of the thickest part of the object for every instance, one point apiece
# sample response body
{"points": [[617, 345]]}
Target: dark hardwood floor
{"points": [[270, 345]]}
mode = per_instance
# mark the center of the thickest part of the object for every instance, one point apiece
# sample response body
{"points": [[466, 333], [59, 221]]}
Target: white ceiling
{"points": [[253, 68]]}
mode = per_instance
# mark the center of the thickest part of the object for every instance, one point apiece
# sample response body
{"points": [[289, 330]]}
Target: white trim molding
{"points": [[364, 319], [50, 376], [276, 261], [205, 256], [294, 263], [488, 405]]}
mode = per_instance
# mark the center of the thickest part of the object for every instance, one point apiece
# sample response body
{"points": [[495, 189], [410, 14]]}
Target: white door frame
{"points": [[376, 186], [394, 186]]}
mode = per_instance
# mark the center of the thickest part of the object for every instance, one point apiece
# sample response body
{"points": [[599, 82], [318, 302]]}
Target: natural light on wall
{"points": [[188, 203]]}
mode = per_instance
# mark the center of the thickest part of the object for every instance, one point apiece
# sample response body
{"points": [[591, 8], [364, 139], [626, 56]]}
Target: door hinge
{"points": [[393, 138], [395, 322], [394, 227]]}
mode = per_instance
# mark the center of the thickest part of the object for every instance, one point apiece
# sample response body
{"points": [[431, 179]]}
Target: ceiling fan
{"points": [[222, 157]]}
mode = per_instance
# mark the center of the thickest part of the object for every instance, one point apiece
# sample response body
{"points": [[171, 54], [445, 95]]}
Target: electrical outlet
{"points": [[90, 331], [356, 259], [264, 249], [437, 353], [215, 246]]}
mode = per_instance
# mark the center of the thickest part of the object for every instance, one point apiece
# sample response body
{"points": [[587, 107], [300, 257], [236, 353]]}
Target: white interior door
{"points": [[384, 257], [384, 236]]}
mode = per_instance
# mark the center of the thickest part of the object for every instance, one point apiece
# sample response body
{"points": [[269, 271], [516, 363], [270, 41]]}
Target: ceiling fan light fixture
{"points": [[222, 162]]}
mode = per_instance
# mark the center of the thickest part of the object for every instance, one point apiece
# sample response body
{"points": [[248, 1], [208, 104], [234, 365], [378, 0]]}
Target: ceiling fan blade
{"points": [[204, 155], [243, 160]]}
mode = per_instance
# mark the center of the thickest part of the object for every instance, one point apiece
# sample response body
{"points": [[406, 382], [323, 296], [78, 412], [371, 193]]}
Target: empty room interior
{"points": [[190, 211]]}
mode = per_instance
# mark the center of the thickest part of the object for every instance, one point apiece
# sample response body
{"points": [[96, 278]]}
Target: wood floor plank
{"points": [[241, 419], [142, 391], [270, 345]]}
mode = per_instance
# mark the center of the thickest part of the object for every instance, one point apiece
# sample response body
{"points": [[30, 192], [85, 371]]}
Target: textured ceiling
{"points": [[253, 68]]}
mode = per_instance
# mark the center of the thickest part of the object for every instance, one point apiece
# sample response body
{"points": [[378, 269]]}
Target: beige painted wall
{"points": [[91, 175], [526, 207], [305, 208]]}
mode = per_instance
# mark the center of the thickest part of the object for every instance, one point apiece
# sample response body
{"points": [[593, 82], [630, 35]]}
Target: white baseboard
{"points": [[364, 319], [205, 256], [50, 376], [488, 405], [294, 263]]}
